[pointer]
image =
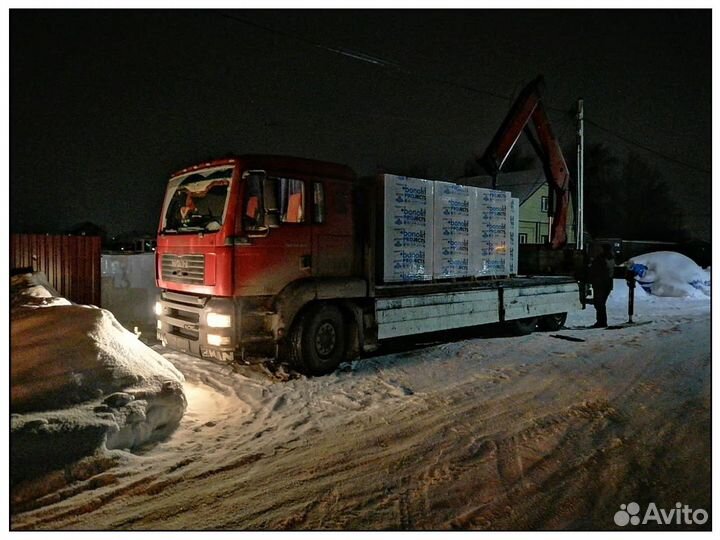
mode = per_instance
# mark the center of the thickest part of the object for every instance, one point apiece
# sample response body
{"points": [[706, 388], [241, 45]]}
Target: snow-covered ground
{"points": [[460, 430]]}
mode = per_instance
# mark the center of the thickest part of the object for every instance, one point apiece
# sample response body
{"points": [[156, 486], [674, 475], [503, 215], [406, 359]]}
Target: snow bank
{"points": [[80, 382], [666, 273]]}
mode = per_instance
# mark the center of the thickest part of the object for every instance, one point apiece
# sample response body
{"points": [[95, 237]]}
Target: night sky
{"points": [[104, 105]]}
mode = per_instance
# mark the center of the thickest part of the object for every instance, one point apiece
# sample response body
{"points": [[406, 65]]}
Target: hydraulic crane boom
{"points": [[528, 106]]}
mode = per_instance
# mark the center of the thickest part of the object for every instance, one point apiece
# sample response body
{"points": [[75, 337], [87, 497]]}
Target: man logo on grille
{"points": [[179, 263]]}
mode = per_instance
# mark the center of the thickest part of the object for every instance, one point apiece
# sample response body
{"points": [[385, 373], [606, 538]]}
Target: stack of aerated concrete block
{"points": [[440, 230]]}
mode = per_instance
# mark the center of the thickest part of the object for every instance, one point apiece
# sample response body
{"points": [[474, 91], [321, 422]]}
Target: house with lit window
{"points": [[531, 188]]}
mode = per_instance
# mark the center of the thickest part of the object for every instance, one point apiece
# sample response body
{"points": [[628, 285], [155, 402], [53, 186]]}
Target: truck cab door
{"points": [[282, 253]]}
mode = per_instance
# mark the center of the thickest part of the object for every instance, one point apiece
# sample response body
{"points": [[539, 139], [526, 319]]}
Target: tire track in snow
{"points": [[483, 439]]}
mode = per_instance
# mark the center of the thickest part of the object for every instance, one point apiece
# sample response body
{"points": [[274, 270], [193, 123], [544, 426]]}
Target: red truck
{"points": [[282, 256]]}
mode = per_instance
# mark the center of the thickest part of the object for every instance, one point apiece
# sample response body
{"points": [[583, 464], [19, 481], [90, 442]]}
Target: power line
{"points": [[396, 66], [364, 57]]}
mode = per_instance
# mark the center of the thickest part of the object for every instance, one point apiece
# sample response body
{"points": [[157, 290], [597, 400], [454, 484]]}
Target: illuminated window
{"points": [[543, 204]]}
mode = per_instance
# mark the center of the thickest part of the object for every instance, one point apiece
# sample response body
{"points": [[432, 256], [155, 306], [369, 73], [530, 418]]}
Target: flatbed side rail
{"points": [[403, 289]]}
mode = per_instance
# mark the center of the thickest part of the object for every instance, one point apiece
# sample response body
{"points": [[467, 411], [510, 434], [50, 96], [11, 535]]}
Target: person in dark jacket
{"points": [[601, 278]]}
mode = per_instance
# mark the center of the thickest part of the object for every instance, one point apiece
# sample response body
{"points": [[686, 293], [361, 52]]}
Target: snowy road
{"points": [[479, 432]]}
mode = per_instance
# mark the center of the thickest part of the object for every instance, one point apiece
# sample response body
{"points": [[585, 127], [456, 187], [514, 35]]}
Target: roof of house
{"points": [[522, 184]]}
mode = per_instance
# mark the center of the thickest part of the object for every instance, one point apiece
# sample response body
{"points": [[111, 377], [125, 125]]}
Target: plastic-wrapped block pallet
{"points": [[408, 229], [488, 247], [451, 240], [514, 230]]}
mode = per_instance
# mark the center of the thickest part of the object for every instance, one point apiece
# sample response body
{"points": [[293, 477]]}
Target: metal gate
{"points": [[71, 263]]}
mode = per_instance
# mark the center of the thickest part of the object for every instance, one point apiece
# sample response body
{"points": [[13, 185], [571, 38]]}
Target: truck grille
{"points": [[184, 268], [181, 314]]}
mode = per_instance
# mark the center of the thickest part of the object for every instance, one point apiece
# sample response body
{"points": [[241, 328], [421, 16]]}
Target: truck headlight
{"points": [[158, 309], [219, 320], [217, 340]]}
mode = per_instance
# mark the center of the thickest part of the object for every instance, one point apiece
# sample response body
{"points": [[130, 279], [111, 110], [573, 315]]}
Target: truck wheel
{"points": [[552, 322], [523, 327], [317, 342]]}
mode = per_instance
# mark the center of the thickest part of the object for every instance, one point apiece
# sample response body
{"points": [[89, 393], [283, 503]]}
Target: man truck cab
{"points": [[236, 234]]}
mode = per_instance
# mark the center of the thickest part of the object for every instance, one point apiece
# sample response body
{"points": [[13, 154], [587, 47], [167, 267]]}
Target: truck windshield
{"points": [[197, 201]]}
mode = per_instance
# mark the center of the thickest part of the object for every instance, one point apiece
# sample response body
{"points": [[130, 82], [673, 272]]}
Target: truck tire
{"points": [[317, 341], [523, 327], [553, 322]]}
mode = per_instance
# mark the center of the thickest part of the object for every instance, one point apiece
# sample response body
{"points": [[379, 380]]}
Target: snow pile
{"points": [[666, 273], [80, 382]]}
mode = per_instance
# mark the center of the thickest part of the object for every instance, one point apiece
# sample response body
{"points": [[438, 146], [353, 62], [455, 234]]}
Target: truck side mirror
{"points": [[272, 211]]}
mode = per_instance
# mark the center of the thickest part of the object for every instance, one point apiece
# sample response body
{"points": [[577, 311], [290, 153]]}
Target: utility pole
{"points": [[580, 225]]}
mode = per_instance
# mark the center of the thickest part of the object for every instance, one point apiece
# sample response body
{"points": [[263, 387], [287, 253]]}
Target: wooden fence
{"points": [[71, 263]]}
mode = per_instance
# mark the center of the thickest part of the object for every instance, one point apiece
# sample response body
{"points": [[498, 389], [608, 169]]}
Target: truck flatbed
{"points": [[406, 309]]}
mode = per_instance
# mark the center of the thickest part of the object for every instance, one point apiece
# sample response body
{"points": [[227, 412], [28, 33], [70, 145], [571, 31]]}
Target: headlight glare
{"points": [[218, 341], [219, 320]]}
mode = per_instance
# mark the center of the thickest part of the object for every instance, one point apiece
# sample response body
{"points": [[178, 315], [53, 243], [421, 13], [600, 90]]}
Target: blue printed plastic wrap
{"points": [[513, 233], [408, 229], [489, 246], [441, 230], [667, 273], [452, 230]]}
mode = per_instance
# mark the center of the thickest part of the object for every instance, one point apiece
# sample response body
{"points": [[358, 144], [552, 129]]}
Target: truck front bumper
{"points": [[182, 324]]}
